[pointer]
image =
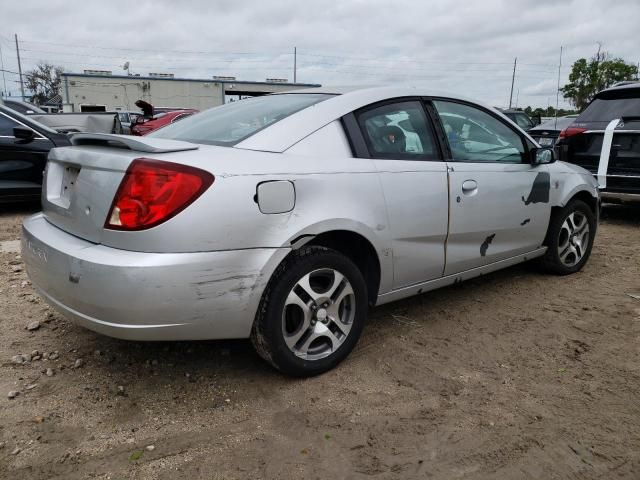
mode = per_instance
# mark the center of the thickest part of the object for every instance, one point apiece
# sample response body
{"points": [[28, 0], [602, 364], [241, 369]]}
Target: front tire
{"points": [[570, 237], [312, 312]]}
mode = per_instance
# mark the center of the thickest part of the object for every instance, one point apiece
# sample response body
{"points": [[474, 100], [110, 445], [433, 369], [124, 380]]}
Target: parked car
{"points": [[284, 217], [76, 122], [144, 126], [547, 133], [24, 146], [127, 120], [581, 143], [523, 120]]}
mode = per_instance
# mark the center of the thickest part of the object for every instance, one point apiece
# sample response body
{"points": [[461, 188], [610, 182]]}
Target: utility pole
{"points": [[555, 125], [4, 80], [295, 66], [513, 79], [19, 68]]}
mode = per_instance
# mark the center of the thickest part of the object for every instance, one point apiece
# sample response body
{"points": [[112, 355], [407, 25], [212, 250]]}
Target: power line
{"points": [[111, 48]]}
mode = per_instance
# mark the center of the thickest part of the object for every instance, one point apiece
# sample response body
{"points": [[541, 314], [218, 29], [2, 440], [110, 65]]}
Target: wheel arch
{"points": [[593, 202], [359, 250]]}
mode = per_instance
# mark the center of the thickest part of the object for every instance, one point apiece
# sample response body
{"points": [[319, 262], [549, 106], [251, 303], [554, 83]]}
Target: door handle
{"points": [[469, 187]]}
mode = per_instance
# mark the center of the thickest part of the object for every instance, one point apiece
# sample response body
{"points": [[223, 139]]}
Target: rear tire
{"points": [[312, 312], [570, 237]]}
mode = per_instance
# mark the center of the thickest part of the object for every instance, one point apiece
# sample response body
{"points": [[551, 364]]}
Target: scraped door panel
{"points": [[497, 211], [417, 206]]}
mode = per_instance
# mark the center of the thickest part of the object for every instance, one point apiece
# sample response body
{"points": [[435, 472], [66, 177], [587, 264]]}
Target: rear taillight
{"points": [[571, 131], [153, 191]]}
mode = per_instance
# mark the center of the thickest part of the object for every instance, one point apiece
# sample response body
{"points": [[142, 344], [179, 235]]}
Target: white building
{"points": [[98, 90]]}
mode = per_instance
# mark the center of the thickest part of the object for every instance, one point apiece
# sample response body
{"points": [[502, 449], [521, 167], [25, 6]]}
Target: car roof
{"points": [[511, 110], [620, 91], [294, 128]]}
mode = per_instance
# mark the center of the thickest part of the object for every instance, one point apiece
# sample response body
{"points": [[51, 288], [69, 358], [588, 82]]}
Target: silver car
{"points": [[283, 218]]}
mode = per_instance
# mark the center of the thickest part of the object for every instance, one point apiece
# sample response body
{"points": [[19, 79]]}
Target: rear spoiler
{"points": [[138, 144]]}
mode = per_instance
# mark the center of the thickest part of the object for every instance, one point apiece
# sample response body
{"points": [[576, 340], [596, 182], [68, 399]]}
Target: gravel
{"points": [[32, 326]]}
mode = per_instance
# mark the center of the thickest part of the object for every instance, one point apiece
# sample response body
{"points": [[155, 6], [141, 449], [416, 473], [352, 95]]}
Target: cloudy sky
{"points": [[462, 46]]}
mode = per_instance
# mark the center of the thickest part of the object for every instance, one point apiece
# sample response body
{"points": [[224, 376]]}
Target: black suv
{"points": [[24, 146], [581, 142]]}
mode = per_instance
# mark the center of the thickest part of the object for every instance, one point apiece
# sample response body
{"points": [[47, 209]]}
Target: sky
{"points": [[463, 46]]}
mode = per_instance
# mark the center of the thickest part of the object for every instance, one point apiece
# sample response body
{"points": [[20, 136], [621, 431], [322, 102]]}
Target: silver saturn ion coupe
{"points": [[283, 218]]}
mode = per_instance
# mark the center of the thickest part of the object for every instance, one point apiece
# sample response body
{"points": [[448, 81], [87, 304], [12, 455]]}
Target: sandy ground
{"points": [[515, 375]]}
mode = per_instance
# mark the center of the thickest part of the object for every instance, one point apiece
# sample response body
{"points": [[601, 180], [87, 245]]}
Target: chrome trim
{"points": [[616, 131], [618, 176], [621, 196]]}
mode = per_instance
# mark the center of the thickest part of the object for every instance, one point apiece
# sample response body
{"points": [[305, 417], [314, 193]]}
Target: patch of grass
{"points": [[136, 455]]}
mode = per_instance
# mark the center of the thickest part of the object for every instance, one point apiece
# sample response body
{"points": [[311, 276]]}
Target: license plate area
{"points": [[546, 142], [61, 182]]}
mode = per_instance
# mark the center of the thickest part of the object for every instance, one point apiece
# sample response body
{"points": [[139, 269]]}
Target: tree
{"points": [[589, 77], [43, 82]]}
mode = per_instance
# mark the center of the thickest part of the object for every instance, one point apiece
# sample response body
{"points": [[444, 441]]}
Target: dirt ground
{"points": [[514, 375]]}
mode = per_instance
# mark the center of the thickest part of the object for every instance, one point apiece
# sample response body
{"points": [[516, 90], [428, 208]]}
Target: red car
{"points": [[146, 125]]}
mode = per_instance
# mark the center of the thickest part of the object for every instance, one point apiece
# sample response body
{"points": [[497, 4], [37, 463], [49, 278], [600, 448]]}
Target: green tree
{"points": [[588, 77], [43, 82]]}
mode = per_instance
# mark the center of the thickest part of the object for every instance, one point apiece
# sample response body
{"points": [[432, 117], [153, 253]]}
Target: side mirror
{"points": [[24, 134], [542, 156]]}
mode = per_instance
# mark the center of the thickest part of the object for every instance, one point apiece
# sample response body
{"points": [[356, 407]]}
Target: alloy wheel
{"points": [[574, 238], [318, 314]]}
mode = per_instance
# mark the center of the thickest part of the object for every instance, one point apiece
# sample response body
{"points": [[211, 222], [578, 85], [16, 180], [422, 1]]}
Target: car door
{"points": [[400, 139], [21, 164], [499, 201]]}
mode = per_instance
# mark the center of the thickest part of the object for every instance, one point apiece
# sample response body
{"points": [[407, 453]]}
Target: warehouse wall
{"points": [[121, 92]]}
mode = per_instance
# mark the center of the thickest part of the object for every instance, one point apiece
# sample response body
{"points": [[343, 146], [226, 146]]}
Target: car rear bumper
{"points": [[147, 296]]}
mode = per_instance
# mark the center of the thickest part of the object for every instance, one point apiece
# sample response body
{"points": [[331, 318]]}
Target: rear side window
{"points": [[398, 131], [601, 110], [229, 124], [476, 136], [523, 121]]}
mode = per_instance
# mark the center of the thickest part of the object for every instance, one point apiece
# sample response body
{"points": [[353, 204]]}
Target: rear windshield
{"points": [[229, 124], [601, 110]]}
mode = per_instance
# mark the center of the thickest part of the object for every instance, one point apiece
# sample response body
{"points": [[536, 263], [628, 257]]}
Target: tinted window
{"points": [[6, 126], [231, 123], [398, 130], [28, 121], [476, 136], [601, 110], [523, 121]]}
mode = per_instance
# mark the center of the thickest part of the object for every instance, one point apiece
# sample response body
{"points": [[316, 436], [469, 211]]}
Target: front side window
{"points": [[398, 131], [229, 124], [6, 126], [476, 136]]}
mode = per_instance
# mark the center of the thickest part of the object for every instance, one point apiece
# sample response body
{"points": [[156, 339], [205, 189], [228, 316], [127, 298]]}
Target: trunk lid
{"points": [[81, 181]]}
